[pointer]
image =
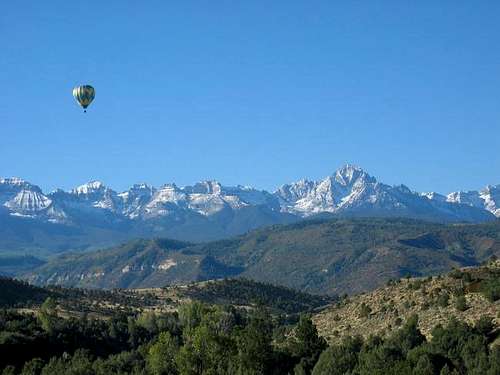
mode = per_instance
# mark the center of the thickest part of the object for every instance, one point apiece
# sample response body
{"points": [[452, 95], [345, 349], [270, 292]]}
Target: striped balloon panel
{"points": [[84, 95]]}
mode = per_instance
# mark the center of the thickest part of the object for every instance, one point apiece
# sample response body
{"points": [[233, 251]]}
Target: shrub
{"points": [[460, 303], [443, 300], [491, 289], [416, 285], [456, 274], [364, 310], [484, 325]]}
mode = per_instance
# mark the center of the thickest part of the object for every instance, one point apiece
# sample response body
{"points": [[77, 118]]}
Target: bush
{"points": [[364, 310], [461, 303], [443, 300], [456, 274], [491, 289], [484, 325]]}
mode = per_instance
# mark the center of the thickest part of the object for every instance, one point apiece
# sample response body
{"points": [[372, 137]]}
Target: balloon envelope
{"points": [[84, 95]]}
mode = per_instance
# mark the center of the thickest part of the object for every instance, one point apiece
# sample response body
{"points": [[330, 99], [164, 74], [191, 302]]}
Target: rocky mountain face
{"points": [[209, 210], [351, 191]]}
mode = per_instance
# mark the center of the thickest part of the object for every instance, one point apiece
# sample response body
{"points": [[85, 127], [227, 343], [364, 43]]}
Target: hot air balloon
{"points": [[84, 95]]}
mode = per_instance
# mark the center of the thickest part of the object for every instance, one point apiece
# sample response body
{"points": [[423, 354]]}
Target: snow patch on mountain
{"points": [[470, 198], [135, 199], [488, 198], [28, 201], [434, 196], [89, 188], [23, 199], [491, 197]]}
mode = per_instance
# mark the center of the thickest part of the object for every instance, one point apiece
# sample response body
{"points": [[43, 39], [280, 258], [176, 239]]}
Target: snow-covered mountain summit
{"points": [[91, 187], [24, 199], [205, 198], [349, 189]]}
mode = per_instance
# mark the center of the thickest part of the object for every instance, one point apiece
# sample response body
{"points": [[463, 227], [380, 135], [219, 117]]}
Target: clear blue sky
{"points": [[251, 92]]}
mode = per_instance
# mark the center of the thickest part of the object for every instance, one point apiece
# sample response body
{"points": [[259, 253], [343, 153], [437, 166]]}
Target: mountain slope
{"points": [[461, 294], [129, 265], [318, 256]]}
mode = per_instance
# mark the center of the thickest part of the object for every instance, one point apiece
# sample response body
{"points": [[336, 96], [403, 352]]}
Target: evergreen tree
{"points": [[9, 370], [255, 352], [424, 366], [339, 359], [407, 337], [161, 355], [307, 344], [33, 367], [48, 315]]}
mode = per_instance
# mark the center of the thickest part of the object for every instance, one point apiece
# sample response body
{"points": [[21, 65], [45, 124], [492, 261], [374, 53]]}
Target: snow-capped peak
{"points": [[141, 186], [138, 189], [16, 193], [28, 201], [16, 183], [13, 181], [135, 198], [349, 174], [296, 190], [204, 187], [88, 188]]}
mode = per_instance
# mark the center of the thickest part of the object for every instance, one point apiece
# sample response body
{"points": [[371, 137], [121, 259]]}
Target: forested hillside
{"points": [[318, 256]]}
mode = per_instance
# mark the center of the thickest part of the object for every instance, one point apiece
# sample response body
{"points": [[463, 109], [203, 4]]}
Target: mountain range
{"points": [[93, 215]]}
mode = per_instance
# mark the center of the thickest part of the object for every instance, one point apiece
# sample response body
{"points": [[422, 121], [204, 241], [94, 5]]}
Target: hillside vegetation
{"points": [[317, 256], [19, 293], [466, 295], [100, 303], [248, 293]]}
